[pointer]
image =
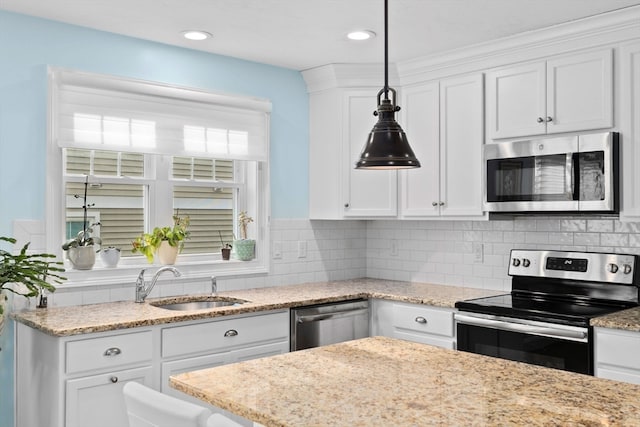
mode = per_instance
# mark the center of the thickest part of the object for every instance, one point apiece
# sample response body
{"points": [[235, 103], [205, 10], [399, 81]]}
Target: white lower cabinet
{"points": [[413, 322], [77, 381], [616, 355], [97, 400]]}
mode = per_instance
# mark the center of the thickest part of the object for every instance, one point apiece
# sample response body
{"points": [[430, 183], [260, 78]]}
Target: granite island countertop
{"points": [[388, 382], [83, 319]]}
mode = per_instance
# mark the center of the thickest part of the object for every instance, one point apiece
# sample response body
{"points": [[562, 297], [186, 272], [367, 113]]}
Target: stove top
{"points": [[566, 312]]}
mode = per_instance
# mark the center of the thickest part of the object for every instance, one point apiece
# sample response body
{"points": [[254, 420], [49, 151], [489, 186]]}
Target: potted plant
{"points": [[225, 250], [244, 248], [167, 242], [80, 250], [26, 274]]}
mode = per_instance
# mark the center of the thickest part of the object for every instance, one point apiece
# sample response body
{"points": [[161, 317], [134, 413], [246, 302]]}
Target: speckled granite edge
{"points": [[83, 319], [628, 320], [383, 381]]}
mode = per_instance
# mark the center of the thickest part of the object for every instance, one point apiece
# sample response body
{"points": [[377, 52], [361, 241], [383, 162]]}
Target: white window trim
{"points": [[128, 269]]}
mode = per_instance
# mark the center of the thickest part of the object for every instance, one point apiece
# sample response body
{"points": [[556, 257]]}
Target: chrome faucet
{"points": [[214, 285], [142, 290]]}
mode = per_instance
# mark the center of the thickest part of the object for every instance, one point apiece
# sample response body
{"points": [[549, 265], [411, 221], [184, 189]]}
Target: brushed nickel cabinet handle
{"points": [[540, 120], [421, 320], [231, 333], [113, 351], [114, 379]]}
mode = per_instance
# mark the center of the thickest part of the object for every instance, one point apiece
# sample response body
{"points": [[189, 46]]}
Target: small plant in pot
{"points": [[225, 250], [80, 250], [244, 248], [166, 242], [26, 274]]}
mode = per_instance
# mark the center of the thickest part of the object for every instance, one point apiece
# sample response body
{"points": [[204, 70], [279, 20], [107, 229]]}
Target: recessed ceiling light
{"points": [[361, 35], [196, 35]]}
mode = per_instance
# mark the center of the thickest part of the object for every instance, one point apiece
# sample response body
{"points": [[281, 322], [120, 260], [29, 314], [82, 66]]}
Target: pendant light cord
{"points": [[386, 49]]}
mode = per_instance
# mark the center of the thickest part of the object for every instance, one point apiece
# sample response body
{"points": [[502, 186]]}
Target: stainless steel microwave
{"points": [[566, 174]]}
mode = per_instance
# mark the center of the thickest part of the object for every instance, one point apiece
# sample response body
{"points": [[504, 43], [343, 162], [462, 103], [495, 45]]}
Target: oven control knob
{"points": [[612, 268], [515, 262], [525, 262], [626, 268]]}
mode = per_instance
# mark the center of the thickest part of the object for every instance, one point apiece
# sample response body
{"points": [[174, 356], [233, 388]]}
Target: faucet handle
{"points": [[140, 279]]}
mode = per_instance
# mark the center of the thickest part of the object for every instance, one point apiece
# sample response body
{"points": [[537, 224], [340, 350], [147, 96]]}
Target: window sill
{"points": [[126, 273]]}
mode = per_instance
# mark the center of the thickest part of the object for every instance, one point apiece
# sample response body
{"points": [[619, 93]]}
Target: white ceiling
{"points": [[302, 34]]}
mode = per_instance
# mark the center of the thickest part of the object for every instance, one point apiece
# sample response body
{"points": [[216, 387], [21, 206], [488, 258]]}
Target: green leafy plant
{"points": [[148, 243], [84, 236], [30, 270]]}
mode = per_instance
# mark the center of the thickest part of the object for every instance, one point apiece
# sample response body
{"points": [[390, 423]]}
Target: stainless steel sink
{"points": [[201, 303]]}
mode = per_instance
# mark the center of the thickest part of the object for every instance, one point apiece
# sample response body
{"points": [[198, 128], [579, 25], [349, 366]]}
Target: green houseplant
{"points": [[166, 242], [26, 274], [244, 248]]}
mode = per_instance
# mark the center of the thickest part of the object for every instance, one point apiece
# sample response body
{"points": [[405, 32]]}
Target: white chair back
{"points": [[149, 408]]}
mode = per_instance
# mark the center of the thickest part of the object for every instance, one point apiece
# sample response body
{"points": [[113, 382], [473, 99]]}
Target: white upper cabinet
{"points": [[630, 130], [444, 124], [563, 94], [420, 188], [342, 99], [367, 193]]}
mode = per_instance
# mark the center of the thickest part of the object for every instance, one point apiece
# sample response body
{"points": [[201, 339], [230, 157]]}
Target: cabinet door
{"points": [[191, 364], [516, 103], [420, 188], [369, 193], [461, 138], [580, 92], [97, 401], [630, 129]]}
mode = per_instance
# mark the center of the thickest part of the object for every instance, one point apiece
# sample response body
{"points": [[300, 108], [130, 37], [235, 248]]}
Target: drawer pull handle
{"points": [[114, 379], [231, 333], [113, 351], [421, 320]]}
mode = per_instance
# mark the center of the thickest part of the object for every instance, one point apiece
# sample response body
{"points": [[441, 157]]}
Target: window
{"points": [[150, 151]]}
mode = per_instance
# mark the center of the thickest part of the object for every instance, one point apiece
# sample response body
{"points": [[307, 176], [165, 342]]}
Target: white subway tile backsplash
{"points": [[438, 252]]}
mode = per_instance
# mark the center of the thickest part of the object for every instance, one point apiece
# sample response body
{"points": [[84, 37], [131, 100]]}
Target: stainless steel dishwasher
{"points": [[323, 324]]}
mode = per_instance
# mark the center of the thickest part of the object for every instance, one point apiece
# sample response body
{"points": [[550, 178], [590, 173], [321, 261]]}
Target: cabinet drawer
{"points": [[108, 352], [618, 348], [423, 319], [221, 335]]}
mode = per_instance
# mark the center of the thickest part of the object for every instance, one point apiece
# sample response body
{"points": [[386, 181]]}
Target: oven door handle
{"points": [[523, 328]]}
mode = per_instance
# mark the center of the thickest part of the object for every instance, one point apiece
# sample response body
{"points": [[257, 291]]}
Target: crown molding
{"points": [[604, 29], [348, 75]]}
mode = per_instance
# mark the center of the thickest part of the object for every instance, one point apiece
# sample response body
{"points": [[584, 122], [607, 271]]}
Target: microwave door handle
{"points": [[569, 175]]}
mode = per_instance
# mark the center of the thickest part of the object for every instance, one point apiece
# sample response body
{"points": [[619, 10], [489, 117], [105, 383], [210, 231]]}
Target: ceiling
{"points": [[302, 34]]}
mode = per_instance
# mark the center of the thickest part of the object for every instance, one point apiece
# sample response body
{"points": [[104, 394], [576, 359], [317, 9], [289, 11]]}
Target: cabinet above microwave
{"points": [[568, 174]]}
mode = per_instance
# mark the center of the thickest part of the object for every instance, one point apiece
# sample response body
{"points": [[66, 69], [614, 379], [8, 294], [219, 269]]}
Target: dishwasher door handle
{"points": [[333, 315]]}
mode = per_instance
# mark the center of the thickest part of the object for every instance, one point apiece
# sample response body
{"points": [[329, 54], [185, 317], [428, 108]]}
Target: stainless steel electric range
{"points": [[545, 319]]}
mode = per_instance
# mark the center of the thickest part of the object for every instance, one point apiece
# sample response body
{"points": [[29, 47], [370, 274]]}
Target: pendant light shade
{"points": [[387, 146]]}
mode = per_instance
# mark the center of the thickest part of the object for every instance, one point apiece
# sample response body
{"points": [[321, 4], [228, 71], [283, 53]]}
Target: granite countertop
{"points": [[384, 381], [628, 320], [75, 320]]}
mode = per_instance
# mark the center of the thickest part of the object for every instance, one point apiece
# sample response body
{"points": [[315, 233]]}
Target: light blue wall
{"points": [[28, 45]]}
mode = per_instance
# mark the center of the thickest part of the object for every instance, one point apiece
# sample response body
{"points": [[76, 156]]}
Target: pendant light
{"points": [[387, 146]]}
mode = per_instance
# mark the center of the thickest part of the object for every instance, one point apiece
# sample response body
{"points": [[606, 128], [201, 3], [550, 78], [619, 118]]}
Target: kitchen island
{"points": [[389, 382]]}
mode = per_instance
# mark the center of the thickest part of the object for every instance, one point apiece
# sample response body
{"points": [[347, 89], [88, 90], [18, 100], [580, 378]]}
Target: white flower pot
{"points": [[110, 256], [82, 257], [167, 254]]}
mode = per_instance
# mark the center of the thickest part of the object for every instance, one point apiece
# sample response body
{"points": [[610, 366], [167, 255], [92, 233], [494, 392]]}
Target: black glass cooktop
{"points": [[568, 312]]}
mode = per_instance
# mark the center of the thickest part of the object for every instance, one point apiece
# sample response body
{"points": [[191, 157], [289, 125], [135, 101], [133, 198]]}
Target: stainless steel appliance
{"points": [[545, 319], [323, 324], [567, 174]]}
